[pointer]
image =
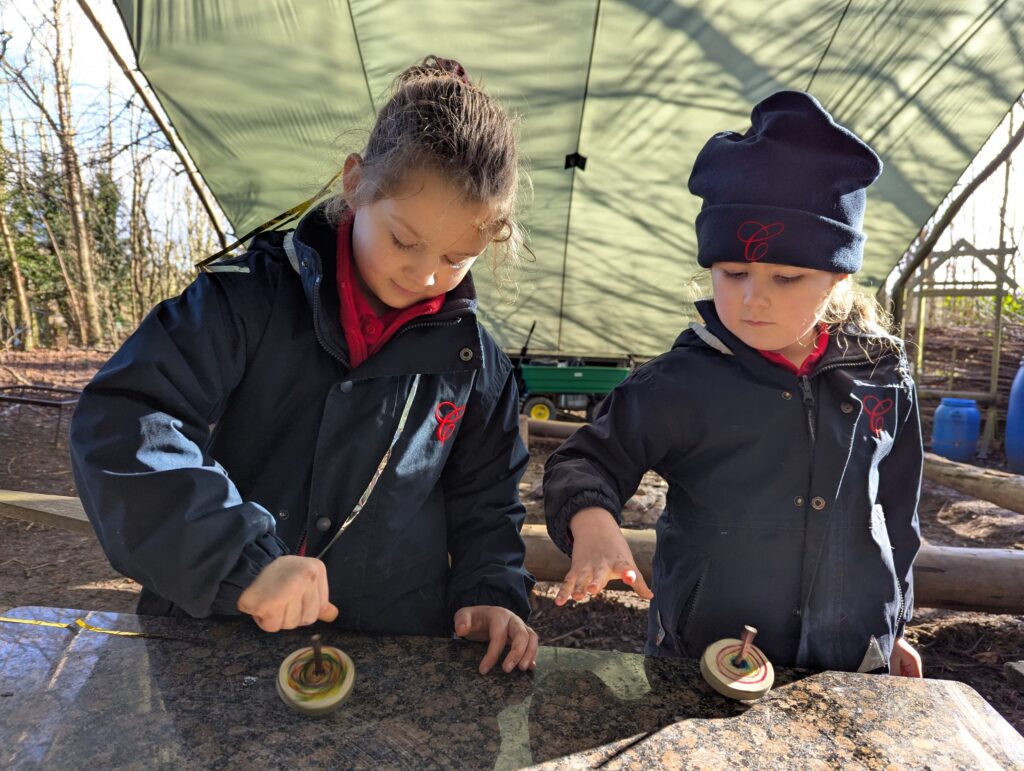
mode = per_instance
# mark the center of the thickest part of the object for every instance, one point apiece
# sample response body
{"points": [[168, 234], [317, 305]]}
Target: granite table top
{"points": [[201, 694]]}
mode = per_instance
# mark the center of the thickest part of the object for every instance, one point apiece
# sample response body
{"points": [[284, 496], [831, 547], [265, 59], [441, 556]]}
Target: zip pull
{"points": [[805, 388]]}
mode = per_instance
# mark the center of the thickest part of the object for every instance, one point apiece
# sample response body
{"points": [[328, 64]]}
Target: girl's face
{"points": [[418, 244], [772, 307]]}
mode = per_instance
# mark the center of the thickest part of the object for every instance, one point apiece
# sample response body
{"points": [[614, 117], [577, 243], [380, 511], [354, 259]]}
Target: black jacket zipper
{"points": [[805, 387]]}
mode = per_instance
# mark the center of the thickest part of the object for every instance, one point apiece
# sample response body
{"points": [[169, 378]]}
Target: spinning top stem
{"points": [[747, 639], [318, 655]]}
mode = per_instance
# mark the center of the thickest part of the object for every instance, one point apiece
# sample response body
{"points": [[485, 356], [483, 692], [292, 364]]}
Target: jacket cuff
{"points": [[558, 527], [256, 556], [489, 595]]}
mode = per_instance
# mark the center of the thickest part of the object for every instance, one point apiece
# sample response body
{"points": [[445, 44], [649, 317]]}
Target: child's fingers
{"points": [[292, 613], [634, 578], [565, 590], [328, 612], [463, 621], [519, 633], [599, 579], [910, 663], [325, 590], [270, 620], [583, 580], [496, 644], [529, 659], [310, 608]]}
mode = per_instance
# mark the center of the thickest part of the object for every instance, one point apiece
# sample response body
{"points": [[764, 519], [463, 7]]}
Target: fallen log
{"points": [[988, 580], [553, 429], [55, 510], [998, 487]]}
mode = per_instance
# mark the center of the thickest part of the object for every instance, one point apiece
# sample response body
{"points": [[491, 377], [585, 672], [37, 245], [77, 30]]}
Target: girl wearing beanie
{"points": [[786, 424]]}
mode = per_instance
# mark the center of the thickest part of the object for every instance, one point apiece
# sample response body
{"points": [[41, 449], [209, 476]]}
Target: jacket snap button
{"points": [[466, 354], [282, 514], [305, 264], [818, 503], [323, 524], [797, 613], [846, 407], [346, 386], [798, 501], [787, 395]]}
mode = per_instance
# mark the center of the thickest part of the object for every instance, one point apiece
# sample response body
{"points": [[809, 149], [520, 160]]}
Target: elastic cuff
{"points": [[255, 556], [490, 595], [558, 527]]}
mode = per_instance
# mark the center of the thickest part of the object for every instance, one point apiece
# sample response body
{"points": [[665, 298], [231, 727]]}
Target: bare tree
{"points": [[62, 125], [65, 129], [20, 290]]}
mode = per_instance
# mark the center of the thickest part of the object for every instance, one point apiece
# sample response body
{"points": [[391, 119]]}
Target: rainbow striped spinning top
{"points": [[737, 668], [315, 680]]}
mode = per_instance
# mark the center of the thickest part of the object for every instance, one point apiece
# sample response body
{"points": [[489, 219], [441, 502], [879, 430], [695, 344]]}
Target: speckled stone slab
{"points": [[201, 695]]}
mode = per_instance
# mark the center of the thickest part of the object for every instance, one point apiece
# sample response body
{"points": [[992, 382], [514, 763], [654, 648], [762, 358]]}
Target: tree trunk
{"points": [[135, 233], [998, 487], [76, 306], [28, 340], [73, 180]]}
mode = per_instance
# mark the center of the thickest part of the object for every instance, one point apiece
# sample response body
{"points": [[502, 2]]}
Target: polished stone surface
{"points": [[201, 695]]}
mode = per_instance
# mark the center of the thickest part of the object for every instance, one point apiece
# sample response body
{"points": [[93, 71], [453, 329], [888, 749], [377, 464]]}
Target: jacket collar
{"points": [[454, 345], [847, 347]]}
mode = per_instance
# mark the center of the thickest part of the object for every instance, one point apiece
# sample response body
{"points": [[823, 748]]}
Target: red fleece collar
{"points": [[820, 345]]}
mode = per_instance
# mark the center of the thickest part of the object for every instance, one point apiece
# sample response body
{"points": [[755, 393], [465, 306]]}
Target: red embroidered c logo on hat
{"points": [[447, 414], [755, 236]]}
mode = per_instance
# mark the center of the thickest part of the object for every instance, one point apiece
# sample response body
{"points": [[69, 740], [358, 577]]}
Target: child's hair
{"points": [[437, 119], [848, 307]]}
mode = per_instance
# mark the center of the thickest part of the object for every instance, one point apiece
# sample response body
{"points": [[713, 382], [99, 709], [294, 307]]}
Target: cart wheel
{"points": [[539, 408]]}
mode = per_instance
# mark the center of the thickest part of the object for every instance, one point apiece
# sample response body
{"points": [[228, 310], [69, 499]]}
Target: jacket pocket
{"points": [[679, 593], [880, 535]]}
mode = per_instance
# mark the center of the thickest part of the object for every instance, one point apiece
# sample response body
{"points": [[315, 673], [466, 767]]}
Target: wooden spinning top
{"points": [[737, 668], [315, 680]]}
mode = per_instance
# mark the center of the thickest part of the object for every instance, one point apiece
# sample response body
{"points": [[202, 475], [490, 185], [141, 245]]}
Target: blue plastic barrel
{"points": [[956, 428], [1015, 424]]}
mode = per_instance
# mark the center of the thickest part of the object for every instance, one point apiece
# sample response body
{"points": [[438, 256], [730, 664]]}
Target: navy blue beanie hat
{"points": [[791, 190]]}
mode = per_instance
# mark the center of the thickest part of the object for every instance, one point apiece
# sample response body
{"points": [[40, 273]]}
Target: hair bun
{"points": [[435, 67]]}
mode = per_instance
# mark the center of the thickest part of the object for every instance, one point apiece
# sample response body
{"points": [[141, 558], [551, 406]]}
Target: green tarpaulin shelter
{"points": [[269, 96]]}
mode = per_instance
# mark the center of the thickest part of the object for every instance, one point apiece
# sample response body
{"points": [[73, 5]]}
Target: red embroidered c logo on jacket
{"points": [[876, 409], [447, 414]]}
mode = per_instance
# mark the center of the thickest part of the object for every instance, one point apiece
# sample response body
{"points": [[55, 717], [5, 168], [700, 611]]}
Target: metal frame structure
{"points": [[924, 284]]}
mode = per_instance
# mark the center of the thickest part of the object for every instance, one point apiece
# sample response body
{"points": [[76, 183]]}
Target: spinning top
{"points": [[737, 668], [315, 680]]}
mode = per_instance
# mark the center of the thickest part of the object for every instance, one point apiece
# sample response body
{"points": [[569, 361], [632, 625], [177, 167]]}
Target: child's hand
{"points": [[905, 661], [483, 623], [599, 554], [291, 591]]}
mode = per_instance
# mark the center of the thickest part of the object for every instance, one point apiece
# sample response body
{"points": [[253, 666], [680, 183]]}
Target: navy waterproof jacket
{"points": [[792, 501], [230, 426]]}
